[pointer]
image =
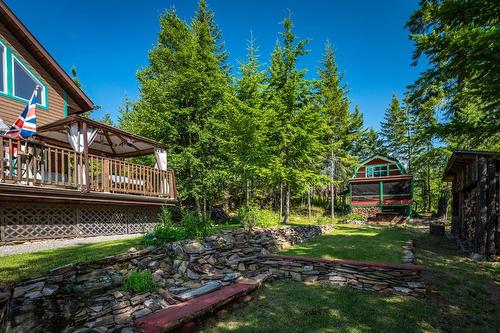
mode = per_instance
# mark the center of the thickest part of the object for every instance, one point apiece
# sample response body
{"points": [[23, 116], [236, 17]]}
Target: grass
{"points": [[29, 265], [463, 296], [370, 243], [139, 282], [26, 265]]}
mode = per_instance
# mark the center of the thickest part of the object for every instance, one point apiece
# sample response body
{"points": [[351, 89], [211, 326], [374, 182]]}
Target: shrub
{"points": [[139, 281], [166, 231], [253, 216], [197, 225], [322, 220], [191, 225], [353, 217]]}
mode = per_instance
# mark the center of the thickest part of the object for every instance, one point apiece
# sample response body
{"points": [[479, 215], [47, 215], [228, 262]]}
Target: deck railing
{"points": [[39, 164]]}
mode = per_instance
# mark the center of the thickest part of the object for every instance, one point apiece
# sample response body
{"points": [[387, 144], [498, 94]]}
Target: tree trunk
{"points": [[332, 195], [247, 192], [309, 203], [281, 200], [287, 204]]}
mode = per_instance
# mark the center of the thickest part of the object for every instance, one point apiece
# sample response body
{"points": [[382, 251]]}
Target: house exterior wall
{"points": [[58, 103], [373, 192]]}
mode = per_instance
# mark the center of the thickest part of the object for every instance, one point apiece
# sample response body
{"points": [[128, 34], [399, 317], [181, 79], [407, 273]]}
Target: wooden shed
{"points": [[475, 177]]}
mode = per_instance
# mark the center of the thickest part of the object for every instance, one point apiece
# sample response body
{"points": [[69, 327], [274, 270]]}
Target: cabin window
{"points": [[3, 60], [377, 171], [24, 82]]}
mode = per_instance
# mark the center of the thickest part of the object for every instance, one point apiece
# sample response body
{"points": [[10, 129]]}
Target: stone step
{"points": [[182, 313]]}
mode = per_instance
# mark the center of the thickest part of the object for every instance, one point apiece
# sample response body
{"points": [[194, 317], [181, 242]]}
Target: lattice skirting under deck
{"points": [[20, 221]]}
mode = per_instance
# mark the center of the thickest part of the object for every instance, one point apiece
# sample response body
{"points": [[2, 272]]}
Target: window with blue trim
{"points": [[3, 76], [377, 171], [24, 83]]}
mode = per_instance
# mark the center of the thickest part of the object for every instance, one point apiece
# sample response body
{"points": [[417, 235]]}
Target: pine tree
{"points": [[246, 125], [335, 108], [296, 126], [182, 96], [395, 131], [459, 41]]}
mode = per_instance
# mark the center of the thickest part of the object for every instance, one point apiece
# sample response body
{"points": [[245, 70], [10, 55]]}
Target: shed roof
{"points": [[461, 158], [26, 38]]}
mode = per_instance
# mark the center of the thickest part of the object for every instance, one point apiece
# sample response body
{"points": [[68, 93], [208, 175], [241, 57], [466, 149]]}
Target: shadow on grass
{"points": [[30, 265], [298, 307], [357, 243]]}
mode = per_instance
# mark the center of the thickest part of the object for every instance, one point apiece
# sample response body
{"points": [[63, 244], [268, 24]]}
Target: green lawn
{"points": [[371, 243], [26, 265], [22, 266], [463, 296]]}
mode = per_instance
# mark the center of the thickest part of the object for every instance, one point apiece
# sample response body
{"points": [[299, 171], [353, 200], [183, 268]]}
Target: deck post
{"points": [[105, 175], [85, 186]]}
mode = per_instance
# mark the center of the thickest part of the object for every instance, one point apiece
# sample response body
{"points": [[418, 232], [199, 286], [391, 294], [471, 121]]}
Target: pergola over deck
{"points": [[111, 142], [61, 156]]}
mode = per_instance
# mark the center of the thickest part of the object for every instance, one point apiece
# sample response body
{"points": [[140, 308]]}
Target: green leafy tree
{"points": [[460, 41]]}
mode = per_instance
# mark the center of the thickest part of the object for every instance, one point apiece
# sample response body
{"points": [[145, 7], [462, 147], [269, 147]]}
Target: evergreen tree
{"points": [[395, 131], [460, 41], [182, 97], [334, 105], [247, 123], [296, 127]]}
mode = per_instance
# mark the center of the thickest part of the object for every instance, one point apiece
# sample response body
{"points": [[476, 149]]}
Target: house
{"points": [[381, 184], [73, 177], [475, 178]]}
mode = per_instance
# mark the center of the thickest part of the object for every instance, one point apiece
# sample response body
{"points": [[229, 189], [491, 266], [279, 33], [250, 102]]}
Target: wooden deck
{"points": [[43, 168], [51, 192]]}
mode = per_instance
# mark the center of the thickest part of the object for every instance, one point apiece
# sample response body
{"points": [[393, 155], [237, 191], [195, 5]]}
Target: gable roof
{"points": [[26, 38], [372, 157]]}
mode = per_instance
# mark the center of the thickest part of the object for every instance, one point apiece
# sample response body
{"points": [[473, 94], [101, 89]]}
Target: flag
{"points": [[25, 125]]}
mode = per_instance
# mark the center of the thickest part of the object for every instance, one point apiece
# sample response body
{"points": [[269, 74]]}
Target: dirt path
{"points": [[8, 250]]}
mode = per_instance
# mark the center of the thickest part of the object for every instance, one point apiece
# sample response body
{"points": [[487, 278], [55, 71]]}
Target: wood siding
{"points": [[10, 108]]}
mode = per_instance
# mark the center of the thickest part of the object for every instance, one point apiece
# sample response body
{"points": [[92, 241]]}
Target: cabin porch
{"points": [[50, 189]]}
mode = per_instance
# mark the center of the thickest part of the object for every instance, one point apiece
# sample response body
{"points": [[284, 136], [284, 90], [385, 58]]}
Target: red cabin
{"points": [[381, 183]]}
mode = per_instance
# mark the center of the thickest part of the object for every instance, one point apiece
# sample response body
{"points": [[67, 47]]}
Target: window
{"points": [[3, 60], [377, 171], [24, 82]]}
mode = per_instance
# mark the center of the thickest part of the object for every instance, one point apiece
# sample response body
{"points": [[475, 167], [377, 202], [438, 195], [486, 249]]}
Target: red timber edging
{"points": [[180, 314], [371, 264]]}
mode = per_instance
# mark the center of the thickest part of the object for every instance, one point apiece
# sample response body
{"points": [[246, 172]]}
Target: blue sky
{"points": [[108, 41]]}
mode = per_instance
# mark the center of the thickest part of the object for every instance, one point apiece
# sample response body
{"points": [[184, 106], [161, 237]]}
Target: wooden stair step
{"points": [[182, 313]]}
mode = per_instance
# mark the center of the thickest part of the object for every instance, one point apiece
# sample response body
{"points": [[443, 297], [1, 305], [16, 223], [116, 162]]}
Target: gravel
{"points": [[28, 247]]}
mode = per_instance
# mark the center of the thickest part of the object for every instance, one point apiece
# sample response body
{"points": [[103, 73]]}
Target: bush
{"points": [[196, 225], [322, 220], [191, 225], [353, 217], [253, 216], [166, 231], [139, 281]]}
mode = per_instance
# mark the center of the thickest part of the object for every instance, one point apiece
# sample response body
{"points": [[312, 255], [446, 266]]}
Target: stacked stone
{"points": [[88, 297], [355, 274], [408, 252]]}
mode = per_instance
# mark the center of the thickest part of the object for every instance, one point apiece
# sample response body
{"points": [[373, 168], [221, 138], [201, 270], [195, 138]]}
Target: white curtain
{"points": [[75, 136], [161, 163], [76, 139]]}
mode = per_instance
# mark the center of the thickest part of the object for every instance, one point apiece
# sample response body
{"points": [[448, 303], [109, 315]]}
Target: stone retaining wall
{"points": [[403, 278], [89, 297]]}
